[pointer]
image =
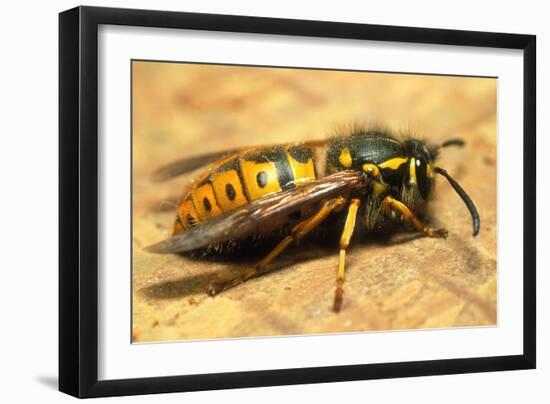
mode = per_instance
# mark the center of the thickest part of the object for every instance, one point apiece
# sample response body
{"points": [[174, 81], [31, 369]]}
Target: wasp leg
{"points": [[298, 232], [390, 204], [344, 243]]}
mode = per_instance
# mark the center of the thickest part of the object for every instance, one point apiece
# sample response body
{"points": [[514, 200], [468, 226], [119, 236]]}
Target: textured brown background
{"points": [[402, 283]]}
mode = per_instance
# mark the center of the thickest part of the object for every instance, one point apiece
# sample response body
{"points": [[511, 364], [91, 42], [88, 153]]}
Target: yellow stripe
{"points": [[202, 197], [302, 172], [393, 163], [412, 171], [250, 171], [220, 182]]}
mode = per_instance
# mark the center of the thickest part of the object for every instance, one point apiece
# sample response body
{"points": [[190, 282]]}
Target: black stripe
{"points": [[300, 153], [284, 172], [238, 168], [205, 181], [229, 165]]}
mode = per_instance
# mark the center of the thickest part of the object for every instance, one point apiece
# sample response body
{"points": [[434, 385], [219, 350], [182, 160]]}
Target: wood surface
{"points": [[404, 282]]}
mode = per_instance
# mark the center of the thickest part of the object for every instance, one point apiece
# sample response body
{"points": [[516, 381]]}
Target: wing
{"points": [[248, 219], [187, 164]]}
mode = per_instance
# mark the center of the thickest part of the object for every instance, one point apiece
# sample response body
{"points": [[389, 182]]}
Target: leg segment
{"points": [[298, 232], [390, 204], [344, 243]]}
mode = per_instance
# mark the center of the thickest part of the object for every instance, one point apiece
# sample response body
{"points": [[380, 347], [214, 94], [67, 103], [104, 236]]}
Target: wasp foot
{"points": [[437, 232]]}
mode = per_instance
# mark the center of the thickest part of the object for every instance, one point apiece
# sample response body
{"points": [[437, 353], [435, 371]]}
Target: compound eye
{"points": [[422, 180]]}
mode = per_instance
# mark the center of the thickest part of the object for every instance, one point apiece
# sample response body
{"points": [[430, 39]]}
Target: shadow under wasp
{"points": [[369, 177]]}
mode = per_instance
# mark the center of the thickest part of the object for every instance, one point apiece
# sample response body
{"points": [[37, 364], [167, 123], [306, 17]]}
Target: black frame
{"points": [[78, 193]]}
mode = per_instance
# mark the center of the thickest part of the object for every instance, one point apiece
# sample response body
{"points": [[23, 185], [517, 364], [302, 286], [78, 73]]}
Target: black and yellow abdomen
{"points": [[244, 177]]}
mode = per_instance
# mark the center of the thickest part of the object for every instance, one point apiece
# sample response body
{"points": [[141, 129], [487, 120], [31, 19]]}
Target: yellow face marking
{"points": [[393, 163], [259, 178], [429, 170], [205, 202], [371, 169], [187, 213], [412, 171], [302, 172], [345, 158], [228, 189]]}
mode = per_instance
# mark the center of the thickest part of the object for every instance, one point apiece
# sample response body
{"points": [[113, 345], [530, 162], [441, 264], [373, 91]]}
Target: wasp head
{"points": [[419, 170], [422, 157]]}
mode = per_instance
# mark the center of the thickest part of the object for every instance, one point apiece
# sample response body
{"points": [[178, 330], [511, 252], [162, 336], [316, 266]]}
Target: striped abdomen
{"points": [[242, 178]]}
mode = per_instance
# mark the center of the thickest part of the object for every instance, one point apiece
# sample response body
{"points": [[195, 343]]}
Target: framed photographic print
{"points": [[250, 201]]}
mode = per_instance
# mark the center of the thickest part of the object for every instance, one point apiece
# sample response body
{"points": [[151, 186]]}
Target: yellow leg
{"points": [[298, 232], [344, 243], [390, 204]]}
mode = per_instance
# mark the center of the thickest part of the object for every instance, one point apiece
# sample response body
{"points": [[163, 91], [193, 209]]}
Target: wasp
{"points": [[369, 178]]}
